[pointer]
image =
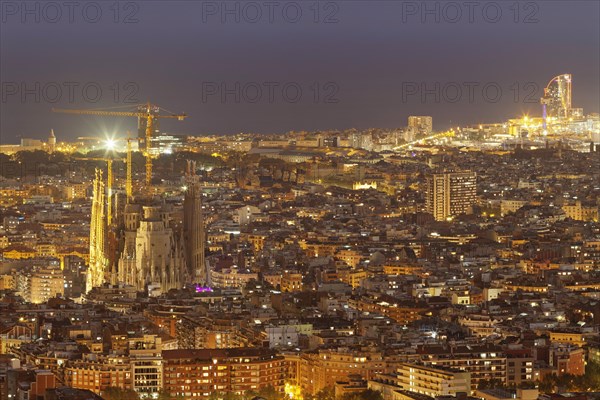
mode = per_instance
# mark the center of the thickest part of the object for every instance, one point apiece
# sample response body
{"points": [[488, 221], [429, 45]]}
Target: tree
{"points": [[546, 385], [327, 393], [225, 396], [588, 382], [6, 166], [164, 395], [32, 157], [527, 385], [490, 384], [268, 393], [368, 394], [115, 393]]}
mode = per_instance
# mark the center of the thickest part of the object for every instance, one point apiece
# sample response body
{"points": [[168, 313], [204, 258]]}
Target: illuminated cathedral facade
{"points": [[153, 250], [150, 243]]}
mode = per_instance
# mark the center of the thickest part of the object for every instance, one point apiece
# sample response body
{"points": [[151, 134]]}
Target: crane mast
{"points": [[109, 163], [149, 130], [128, 182]]}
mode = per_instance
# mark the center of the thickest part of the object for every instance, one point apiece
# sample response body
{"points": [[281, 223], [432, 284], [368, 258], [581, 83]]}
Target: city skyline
{"points": [[538, 111], [299, 200], [351, 71]]}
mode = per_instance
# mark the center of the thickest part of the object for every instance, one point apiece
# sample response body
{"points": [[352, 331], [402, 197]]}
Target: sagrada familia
{"points": [[147, 242]]}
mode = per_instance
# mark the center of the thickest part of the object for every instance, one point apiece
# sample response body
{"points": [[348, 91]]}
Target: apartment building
{"points": [[202, 372], [483, 362], [429, 381]]}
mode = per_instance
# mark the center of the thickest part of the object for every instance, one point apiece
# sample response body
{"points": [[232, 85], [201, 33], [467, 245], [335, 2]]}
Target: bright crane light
{"points": [[110, 144]]}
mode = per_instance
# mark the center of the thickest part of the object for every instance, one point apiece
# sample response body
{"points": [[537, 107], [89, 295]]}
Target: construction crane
{"points": [[147, 111]]}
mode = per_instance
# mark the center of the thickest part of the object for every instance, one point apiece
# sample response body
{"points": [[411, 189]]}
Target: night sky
{"points": [[356, 64]]}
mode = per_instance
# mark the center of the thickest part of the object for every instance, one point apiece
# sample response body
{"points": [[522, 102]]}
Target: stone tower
{"points": [[98, 260], [51, 142], [193, 226]]}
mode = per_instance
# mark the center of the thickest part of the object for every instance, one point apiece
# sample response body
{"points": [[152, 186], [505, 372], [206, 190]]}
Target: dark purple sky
{"points": [[367, 66]]}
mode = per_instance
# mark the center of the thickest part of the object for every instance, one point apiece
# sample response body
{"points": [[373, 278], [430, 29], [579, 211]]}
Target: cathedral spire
{"points": [[193, 226], [98, 261]]}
